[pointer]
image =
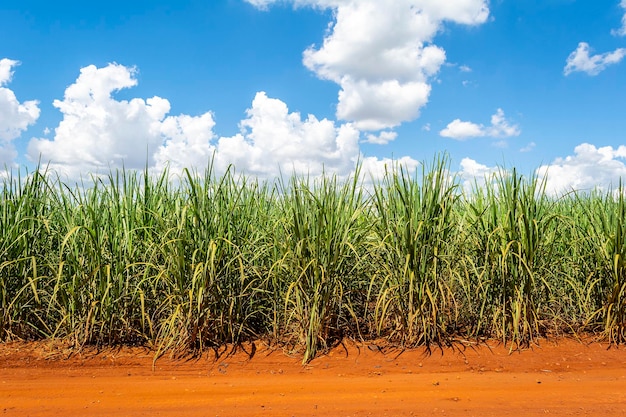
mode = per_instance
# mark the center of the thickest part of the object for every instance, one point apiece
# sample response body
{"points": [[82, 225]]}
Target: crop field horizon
{"points": [[209, 260]]}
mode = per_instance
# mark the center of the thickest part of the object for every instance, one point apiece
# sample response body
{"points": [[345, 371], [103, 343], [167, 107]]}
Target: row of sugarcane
{"points": [[200, 261]]}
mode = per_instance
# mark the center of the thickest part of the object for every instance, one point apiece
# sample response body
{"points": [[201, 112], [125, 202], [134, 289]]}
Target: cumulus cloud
{"points": [[187, 142], [621, 31], [474, 174], [7, 155], [383, 138], [273, 140], [374, 170], [375, 106], [581, 61], [380, 53], [460, 130], [15, 117], [589, 168], [98, 132], [500, 128]]}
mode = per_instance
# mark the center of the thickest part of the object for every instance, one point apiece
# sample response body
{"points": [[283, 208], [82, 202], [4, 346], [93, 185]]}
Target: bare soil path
{"points": [[563, 377]]}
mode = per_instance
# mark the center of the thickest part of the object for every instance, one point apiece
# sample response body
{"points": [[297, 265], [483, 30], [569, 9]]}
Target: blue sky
{"points": [[308, 85]]}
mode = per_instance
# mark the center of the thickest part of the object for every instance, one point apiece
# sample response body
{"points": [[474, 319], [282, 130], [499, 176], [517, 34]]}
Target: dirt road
{"points": [[558, 378]]}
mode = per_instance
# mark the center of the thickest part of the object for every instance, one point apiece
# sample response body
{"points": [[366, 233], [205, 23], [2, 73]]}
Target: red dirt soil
{"points": [[562, 377]]}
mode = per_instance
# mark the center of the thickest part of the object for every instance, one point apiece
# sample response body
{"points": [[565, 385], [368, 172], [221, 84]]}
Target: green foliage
{"points": [[320, 257], [606, 217], [417, 235], [197, 262], [509, 247]]}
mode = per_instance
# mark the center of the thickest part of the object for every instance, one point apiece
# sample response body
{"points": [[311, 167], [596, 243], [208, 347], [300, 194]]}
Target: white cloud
{"points": [[273, 139], [460, 130], [621, 31], [581, 61], [374, 169], [380, 53], [465, 68], [375, 106], [588, 168], [98, 132], [528, 147], [500, 128], [6, 70], [15, 117], [470, 169], [7, 155], [473, 174], [187, 142], [383, 138]]}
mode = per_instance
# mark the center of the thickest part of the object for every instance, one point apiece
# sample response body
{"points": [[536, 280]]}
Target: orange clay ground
{"points": [[563, 377]]}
